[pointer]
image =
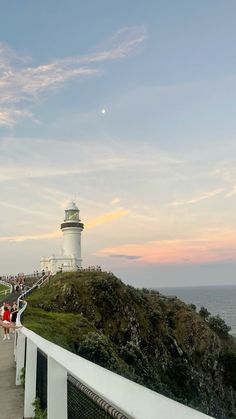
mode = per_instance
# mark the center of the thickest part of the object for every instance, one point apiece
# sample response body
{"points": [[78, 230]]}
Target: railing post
{"points": [[20, 357], [57, 390], [30, 379]]}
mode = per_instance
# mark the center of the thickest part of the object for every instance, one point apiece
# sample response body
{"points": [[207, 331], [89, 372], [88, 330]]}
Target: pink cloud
{"points": [[200, 250]]}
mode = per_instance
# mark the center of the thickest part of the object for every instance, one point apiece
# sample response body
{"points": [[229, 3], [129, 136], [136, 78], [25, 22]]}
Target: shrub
{"points": [[204, 313], [154, 317], [136, 359], [228, 360], [98, 349], [39, 413], [145, 290], [22, 377], [219, 326]]}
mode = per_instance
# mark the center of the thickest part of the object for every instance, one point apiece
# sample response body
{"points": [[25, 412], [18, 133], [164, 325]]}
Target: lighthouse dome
{"points": [[72, 206], [72, 212]]}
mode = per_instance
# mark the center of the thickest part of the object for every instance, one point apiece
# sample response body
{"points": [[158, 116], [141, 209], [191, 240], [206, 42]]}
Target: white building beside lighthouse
{"points": [[70, 259]]}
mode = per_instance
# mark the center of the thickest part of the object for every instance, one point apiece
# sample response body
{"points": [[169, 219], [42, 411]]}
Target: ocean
{"points": [[217, 299]]}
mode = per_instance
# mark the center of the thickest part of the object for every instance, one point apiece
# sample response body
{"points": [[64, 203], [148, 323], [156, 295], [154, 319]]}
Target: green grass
{"points": [[3, 288], [64, 329]]}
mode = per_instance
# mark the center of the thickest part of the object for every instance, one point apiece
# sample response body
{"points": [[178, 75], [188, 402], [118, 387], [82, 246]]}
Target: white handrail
{"points": [[7, 284], [37, 284]]}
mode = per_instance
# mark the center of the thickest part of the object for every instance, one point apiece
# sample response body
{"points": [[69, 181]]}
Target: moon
{"points": [[103, 111]]}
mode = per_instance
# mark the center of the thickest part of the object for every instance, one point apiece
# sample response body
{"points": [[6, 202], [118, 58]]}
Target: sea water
{"points": [[217, 299]]}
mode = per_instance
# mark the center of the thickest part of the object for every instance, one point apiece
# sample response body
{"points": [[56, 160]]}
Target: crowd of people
{"points": [[17, 281], [8, 316]]}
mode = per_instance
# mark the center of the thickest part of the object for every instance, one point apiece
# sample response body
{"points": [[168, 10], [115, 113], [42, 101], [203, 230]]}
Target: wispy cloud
{"points": [[21, 84], [115, 201], [76, 160], [8, 116], [22, 209], [231, 193], [106, 217], [214, 246], [198, 198], [225, 172], [22, 238], [31, 172], [129, 257], [57, 233]]}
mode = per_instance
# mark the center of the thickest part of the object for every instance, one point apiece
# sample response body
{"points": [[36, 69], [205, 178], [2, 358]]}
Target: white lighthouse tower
{"points": [[70, 259], [72, 228]]}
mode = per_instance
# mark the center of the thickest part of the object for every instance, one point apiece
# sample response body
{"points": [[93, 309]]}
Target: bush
{"points": [[145, 290], [39, 413], [228, 360], [98, 349], [137, 360], [22, 377], [154, 317], [219, 326], [204, 313]]}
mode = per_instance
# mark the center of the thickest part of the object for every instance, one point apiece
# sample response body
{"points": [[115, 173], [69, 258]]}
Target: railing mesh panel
{"points": [[85, 404], [41, 382], [21, 304], [25, 351]]}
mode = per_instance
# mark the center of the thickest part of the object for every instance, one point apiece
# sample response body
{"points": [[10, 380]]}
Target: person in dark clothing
{"points": [[14, 312]]}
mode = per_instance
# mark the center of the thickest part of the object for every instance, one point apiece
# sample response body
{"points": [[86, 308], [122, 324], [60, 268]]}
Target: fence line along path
{"points": [[11, 396]]}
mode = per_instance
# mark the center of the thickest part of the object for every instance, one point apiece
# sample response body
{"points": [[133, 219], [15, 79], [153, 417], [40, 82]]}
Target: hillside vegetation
{"points": [[156, 341]]}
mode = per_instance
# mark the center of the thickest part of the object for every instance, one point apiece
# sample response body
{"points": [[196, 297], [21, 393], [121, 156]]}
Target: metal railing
{"points": [[28, 290], [70, 387], [8, 286]]}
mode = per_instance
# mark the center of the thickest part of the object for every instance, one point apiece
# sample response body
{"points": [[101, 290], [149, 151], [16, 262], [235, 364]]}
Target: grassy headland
{"points": [[156, 341]]}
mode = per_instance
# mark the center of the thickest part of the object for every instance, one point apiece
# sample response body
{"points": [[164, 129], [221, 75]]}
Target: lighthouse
{"points": [[72, 228], [70, 259]]}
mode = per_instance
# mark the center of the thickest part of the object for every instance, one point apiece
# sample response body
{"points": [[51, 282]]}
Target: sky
{"points": [[129, 109]]}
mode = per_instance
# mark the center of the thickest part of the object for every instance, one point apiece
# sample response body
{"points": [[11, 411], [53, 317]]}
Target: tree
{"points": [[219, 326], [193, 307], [204, 313]]}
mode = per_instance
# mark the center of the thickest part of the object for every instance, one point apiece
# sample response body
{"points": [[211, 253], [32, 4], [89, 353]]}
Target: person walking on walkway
{"points": [[14, 312], [6, 319]]}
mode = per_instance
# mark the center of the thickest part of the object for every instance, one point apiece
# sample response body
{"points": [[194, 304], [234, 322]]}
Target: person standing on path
{"points": [[14, 312], [6, 319]]}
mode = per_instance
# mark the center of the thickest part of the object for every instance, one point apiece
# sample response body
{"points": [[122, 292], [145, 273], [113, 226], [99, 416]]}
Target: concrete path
{"points": [[11, 396]]}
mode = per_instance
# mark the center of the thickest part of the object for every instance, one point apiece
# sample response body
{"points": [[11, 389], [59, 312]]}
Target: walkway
{"points": [[11, 396]]}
